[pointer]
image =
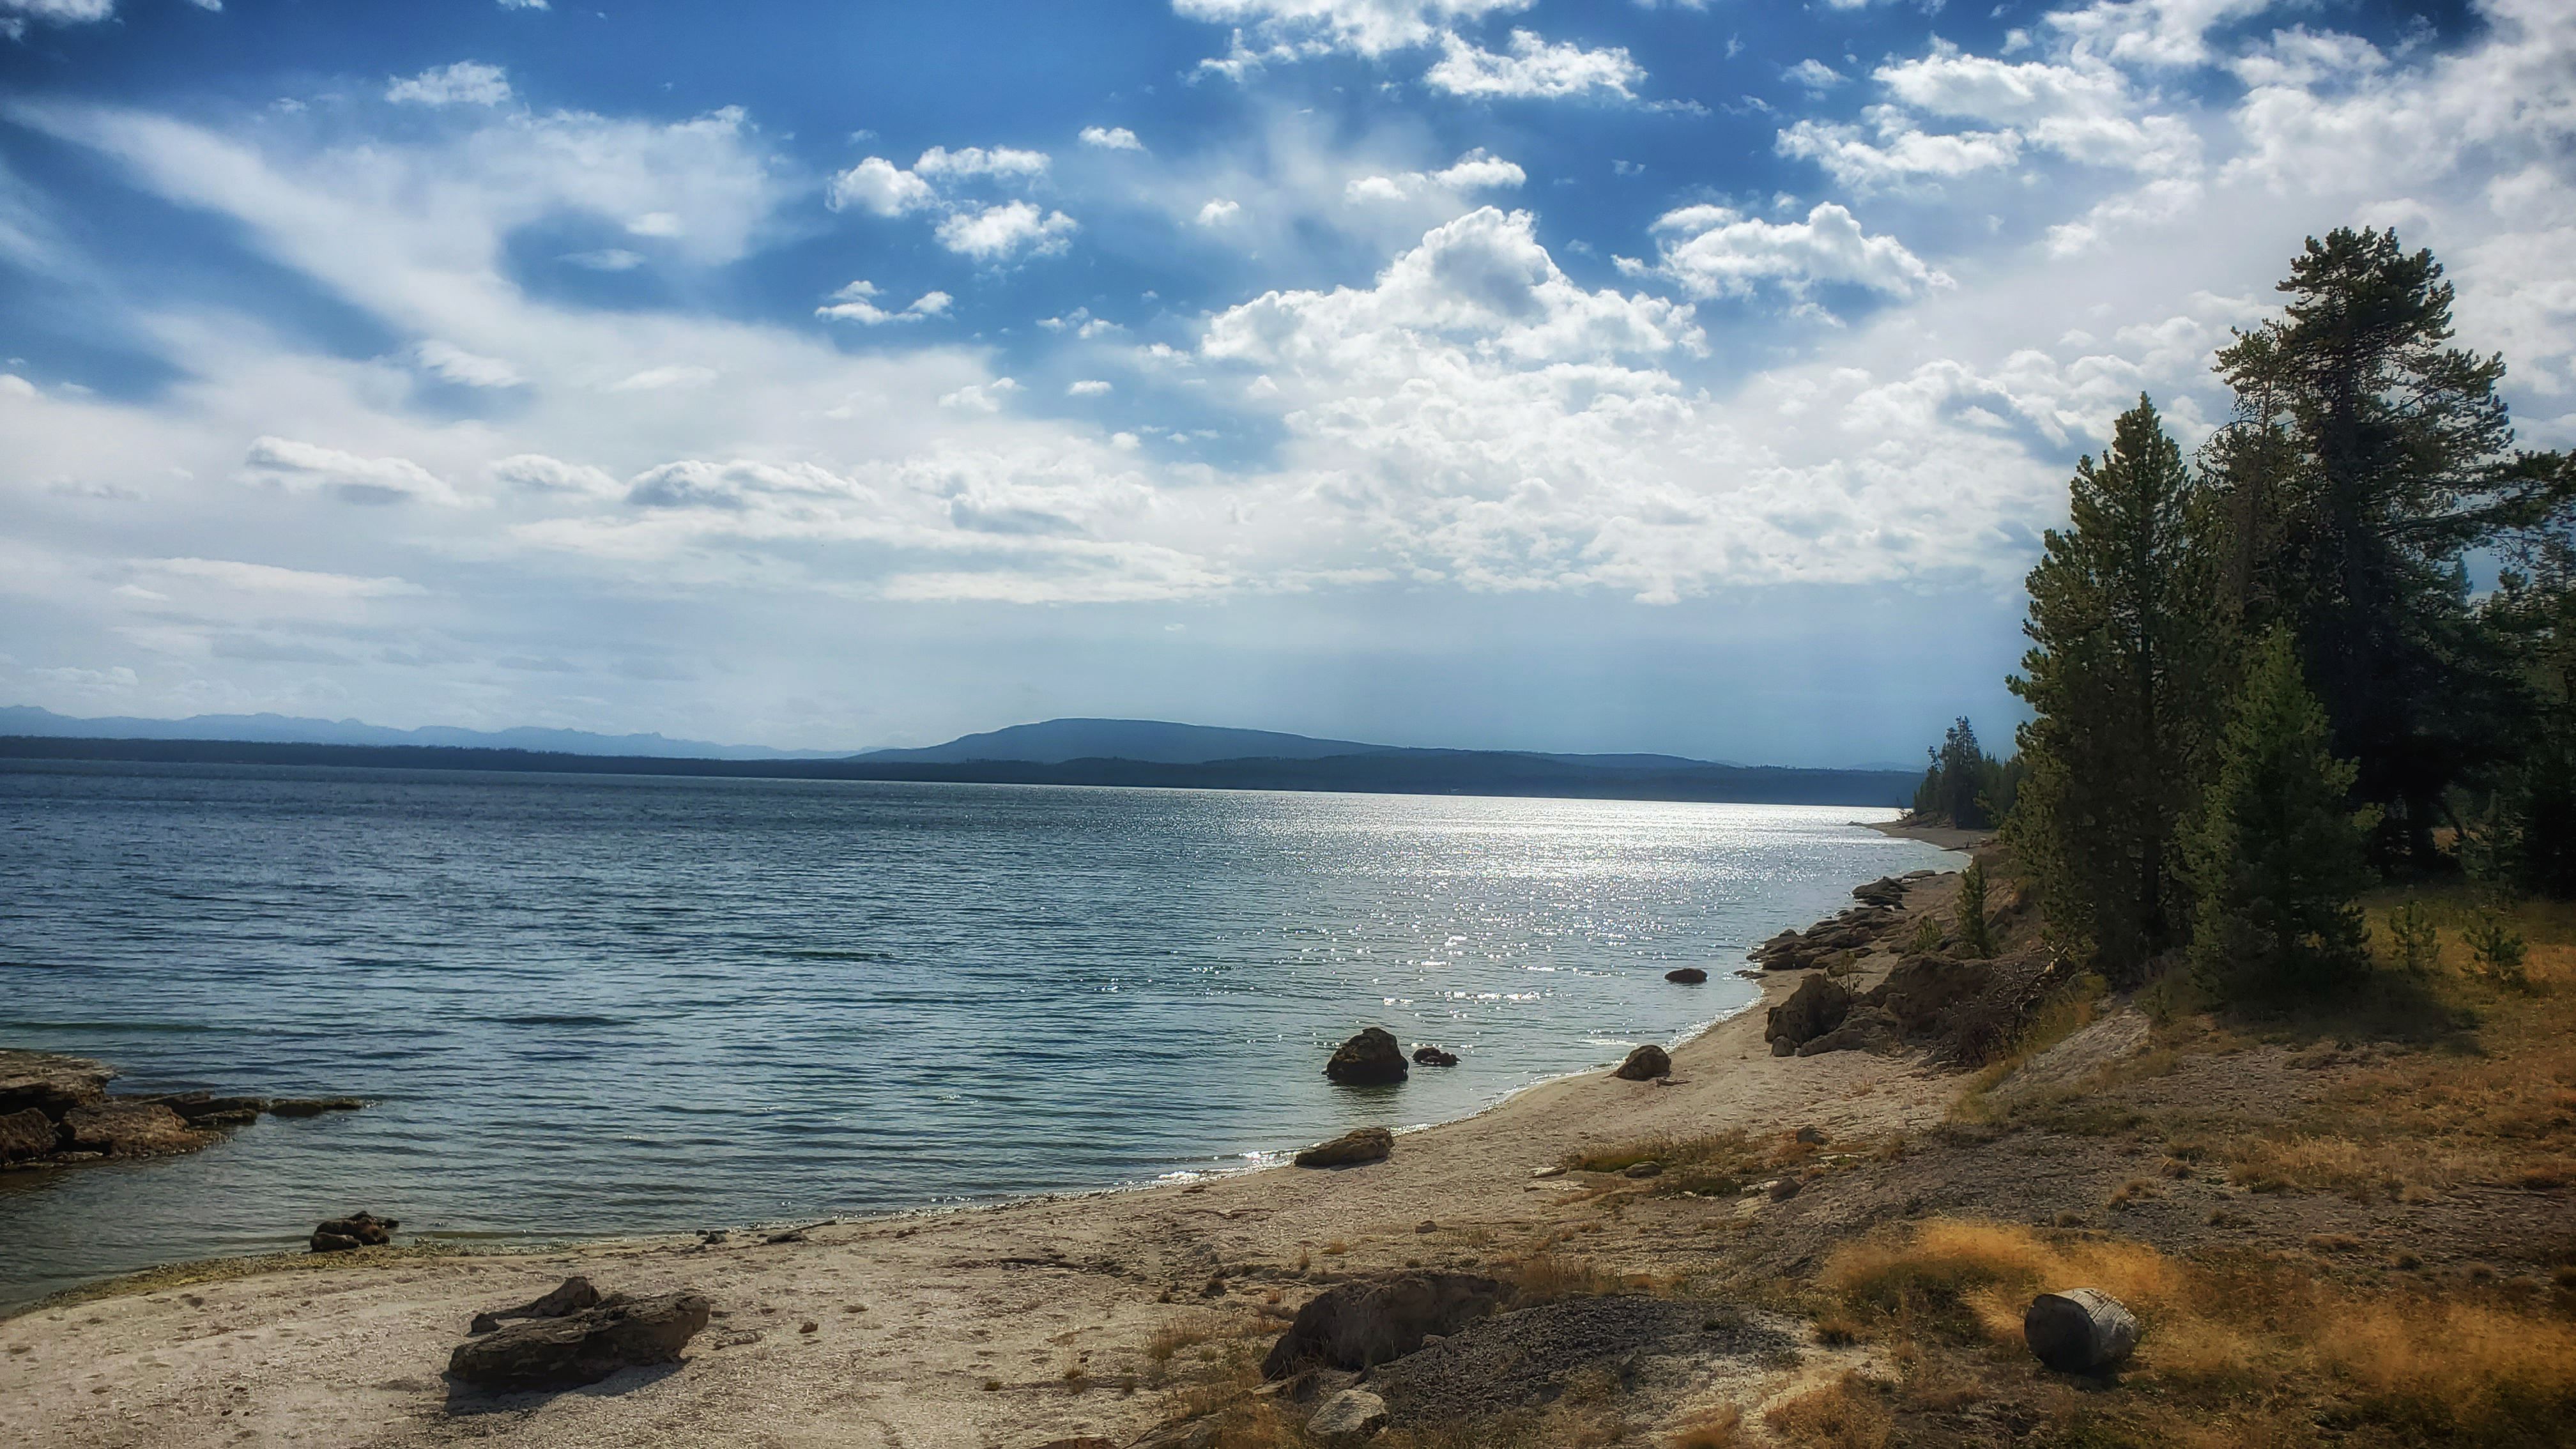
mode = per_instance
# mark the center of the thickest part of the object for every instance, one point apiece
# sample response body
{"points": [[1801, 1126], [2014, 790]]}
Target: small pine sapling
{"points": [[1976, 937], [2500, 951], [2417, 939]]}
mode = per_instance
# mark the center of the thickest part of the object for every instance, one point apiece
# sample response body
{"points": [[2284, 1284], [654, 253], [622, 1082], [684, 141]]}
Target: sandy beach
{"points": [[1000, 1328]]}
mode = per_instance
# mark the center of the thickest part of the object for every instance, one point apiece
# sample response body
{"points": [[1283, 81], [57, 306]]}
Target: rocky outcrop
{"points": [[1818, 1006], [1887, 891], [28, 1133], [57, 1109], [1865, 1029], [1645, 1064], [1367, 1144], [1686, 976], [120, 1127], [1372, 1058], [357, 1230], [568, 1297], [1372, 1321], [1430, 1056], [581, 1347]]}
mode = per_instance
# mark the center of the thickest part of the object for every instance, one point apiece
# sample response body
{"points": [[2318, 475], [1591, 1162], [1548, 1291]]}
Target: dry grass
{"points": [[1845, 1414], [1725, 1163], [2486, 1370], [1718, 1428]]}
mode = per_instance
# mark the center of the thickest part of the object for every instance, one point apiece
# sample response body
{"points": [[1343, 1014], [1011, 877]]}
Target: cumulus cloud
{"points": [[880, 186], [856, 303], [1713, 251], [976, 161], [1363, 27], [54, 12], [1088, 387], [1218, 212], [1478, 170], [1815, 75], [1010, 230], [466, 83], [540, 474], [1111, 138], [1895, 149], [1534, 69]]}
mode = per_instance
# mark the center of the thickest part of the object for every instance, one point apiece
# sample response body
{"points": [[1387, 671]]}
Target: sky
{"points": [[1679, 375]]}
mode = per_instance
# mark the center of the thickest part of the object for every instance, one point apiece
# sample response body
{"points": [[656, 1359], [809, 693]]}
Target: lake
{"points": [[597, 1004]]}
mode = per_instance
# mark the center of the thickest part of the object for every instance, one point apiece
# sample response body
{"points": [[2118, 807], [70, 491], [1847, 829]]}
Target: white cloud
{"points": [[1111, 138], [1218, 212], [610, 259], [1477, 170], [1363, 27], [61, 12], [524, 5], [1011, 229], [1535, 69], [1815, 75], [540, 474], [1713, 251], [1088, 387], [659, 379], [976, 161], [466, 83], [2163, 33], [251, 578], [1900, 152], [299, 467], [982, 397], [454, 364], [880, 186], [854, 303]]}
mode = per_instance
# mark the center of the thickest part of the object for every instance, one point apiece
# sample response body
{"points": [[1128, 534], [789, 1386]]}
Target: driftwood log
{"points": [[2079, 1331]]}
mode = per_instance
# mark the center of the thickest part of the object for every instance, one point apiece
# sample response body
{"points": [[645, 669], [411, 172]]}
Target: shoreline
{"points": [[1008, 1324]]}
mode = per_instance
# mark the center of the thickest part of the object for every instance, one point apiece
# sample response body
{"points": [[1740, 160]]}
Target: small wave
{"points": [[549, 1019], [117, 1026]]}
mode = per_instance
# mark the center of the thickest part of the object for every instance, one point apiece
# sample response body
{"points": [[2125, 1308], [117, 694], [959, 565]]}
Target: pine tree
{"points": [[2124, 682], [1976, 934], [2277, 858], [2526, 841], [2366, 459], [1964, 786]]}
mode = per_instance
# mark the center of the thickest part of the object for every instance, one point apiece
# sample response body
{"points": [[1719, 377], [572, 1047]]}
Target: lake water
{"points": [[586, 1005]]}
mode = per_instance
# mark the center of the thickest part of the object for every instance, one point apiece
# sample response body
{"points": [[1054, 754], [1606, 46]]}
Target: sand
{"points": [[931, 1330]]}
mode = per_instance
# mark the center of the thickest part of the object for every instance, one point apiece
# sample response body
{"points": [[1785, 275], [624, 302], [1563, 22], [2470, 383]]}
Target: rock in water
{"points": [[1372, 1321], [27, 1133], [1433, 1057], [1373, 1058], [1367, 1144], [313, 1106], [581, 1347], [51, 1084], [357, 1230], [1350, 1414], [1686, 976], [2079, 1331], [1816, 1007], [570, 1296], [1645, 1064], [130, 1129]]}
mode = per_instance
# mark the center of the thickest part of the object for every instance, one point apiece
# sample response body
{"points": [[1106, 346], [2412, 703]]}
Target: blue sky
{"points": [[1672, 376]]}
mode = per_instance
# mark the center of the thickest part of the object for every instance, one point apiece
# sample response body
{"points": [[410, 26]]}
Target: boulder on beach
{"points": [[1366, 1144], [1350, 1415], [1371, 1321], [1866, 1029], [1818, 1006], [1372, 1058], [357, 1230], [1645, 1064], [1886, 891], [130, 1128], [582, 1347], [1686, 976], [1431, 1056], [568, 1297]]}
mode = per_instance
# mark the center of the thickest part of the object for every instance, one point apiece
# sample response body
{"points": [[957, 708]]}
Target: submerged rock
{"points": [[1645, 1064], [204, 1109], [1372, 1058], [581, 1347], [1430, 1056], [313, 1106], [357, 1230], [1686, 976], [1367, 1144], [1372, 1321]]}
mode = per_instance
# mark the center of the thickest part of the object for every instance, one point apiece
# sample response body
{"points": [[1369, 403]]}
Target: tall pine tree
{"points": [[2366, 459], [2277, 856], [2123, 679]]}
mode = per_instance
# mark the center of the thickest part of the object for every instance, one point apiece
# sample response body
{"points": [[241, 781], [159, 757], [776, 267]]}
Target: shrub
{"points": [[2417, 939], [2499, 951]]}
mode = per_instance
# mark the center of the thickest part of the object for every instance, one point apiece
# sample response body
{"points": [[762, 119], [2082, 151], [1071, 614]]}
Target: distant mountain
{"points": [[1158, 742], [21, 719]]}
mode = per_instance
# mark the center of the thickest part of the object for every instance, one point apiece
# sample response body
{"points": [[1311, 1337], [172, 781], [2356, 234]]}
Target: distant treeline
{"points": [[1462, 772]]}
